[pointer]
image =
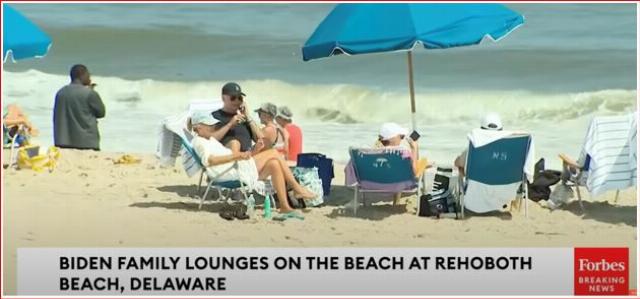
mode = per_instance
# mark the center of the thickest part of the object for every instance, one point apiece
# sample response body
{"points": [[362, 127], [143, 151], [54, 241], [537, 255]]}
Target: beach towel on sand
{"points": [[610, 144]]}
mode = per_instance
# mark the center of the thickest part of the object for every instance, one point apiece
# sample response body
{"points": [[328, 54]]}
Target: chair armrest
{"points": [[568, 161], [421, 167]]}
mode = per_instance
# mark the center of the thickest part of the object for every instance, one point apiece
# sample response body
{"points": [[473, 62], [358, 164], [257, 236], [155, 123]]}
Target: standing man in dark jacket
{"points": [[76, 112]]}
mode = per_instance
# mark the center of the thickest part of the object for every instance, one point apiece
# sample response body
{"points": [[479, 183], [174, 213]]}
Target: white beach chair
{"points": [[607, 160]]}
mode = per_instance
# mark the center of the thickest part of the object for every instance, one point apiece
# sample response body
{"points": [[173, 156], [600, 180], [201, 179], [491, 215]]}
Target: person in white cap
{"points": [[491, 123], [252, 166], [393, 135]]}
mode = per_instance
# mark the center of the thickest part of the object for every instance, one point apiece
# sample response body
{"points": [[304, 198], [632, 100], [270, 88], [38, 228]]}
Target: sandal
{"points": [[240, 212], [227, 213], [288, 215]]}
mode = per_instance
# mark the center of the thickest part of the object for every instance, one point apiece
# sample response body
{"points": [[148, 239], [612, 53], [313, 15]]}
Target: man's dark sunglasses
{"points": [[236, 98]]}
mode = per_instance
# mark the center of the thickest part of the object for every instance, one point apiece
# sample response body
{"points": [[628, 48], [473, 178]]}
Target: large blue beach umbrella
{"points": [[20, 37], [373, 28]]}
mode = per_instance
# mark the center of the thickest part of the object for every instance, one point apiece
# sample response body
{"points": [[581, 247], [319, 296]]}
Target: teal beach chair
{"points": [[383, 171], [494, 174]]}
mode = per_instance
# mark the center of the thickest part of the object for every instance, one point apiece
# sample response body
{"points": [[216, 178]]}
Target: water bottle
{"points": [[267, 207], [250, 202]]}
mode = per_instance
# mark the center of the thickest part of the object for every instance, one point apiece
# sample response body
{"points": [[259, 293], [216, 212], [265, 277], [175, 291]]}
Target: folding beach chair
{"points": [[494, 174], [608, 157], [14, 143], [190, 160], [384, 171]]}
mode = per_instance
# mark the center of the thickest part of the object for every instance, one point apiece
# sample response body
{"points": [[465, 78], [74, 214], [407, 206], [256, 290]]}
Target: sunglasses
{"points": [[236, 98]]}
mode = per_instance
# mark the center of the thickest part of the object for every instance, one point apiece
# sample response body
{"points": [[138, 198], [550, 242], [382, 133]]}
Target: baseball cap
{"points": [[492, 121], [390, 130], [268, 108], [284, 113], [232, 89], [203, 117]]}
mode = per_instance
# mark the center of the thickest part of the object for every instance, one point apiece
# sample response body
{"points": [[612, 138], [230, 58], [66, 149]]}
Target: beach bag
{"points": [[324, 165], [540, 188], [310, 179], [28, 158], [440, 199]]}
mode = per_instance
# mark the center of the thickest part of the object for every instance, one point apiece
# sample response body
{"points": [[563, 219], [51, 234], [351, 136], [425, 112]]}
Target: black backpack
{"points": [[440, 199], [540, 188]]}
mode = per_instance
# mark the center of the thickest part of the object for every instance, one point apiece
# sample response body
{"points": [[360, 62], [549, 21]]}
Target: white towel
{"points": [[611, 144], [173, 129], [169, 139]]}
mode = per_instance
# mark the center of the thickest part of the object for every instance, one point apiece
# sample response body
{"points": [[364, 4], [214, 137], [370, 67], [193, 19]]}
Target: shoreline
{"points": [[87, 201]]}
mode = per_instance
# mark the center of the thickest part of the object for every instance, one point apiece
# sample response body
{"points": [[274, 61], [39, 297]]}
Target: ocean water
{"points": [[568, 63]]}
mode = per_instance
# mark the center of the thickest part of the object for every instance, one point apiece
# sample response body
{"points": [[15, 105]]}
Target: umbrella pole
{"points": [[411, 90]]}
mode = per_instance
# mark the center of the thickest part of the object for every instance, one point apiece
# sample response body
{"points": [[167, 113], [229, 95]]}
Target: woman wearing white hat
{"points": [[393, 135]]}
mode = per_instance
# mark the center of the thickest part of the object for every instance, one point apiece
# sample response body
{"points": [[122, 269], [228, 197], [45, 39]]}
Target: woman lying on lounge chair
{"points": [[252, 166], [14, 120]]}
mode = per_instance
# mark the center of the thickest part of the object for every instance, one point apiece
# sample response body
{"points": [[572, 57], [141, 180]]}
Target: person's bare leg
{"points": [[272, 168], [269, 155]]}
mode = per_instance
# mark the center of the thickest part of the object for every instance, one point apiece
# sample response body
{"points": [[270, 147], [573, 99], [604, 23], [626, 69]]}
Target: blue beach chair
{"points": [[190, 160], [493, 175], [383, 171]]}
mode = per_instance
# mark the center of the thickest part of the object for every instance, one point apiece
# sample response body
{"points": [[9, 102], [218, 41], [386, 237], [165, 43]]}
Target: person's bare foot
{"points": [[305, 194]]}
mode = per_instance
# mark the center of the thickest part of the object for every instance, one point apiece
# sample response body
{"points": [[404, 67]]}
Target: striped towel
{"points": [[169, 142], [173, 135], [610, 145]]}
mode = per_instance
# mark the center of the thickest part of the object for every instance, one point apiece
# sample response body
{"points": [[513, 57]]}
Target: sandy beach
{"points": [[87, 201]]}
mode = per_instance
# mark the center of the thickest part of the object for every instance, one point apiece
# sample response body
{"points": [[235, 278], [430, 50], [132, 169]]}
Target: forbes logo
{"points": [[601, 271], [602, 265]]}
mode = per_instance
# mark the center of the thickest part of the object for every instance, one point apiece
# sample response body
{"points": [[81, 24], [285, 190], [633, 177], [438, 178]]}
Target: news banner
{"points": [[322, 271]]}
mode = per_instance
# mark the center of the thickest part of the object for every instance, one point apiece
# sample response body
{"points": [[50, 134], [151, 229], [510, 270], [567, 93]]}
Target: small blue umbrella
{"points": [[373, 28], [20, 37]]}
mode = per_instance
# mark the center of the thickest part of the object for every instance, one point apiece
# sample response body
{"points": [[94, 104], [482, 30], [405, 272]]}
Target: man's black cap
{"points": [[232, 89]]}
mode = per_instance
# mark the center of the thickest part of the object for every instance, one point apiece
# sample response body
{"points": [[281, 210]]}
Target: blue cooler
{"points": [[324, 165]]}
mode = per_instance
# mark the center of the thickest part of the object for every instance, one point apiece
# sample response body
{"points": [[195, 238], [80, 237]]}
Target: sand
{"points": [[90, 202]]}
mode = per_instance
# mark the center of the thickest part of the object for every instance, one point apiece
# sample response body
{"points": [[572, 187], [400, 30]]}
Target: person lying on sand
{"points": [[252, 165], [235, 128], [393, 135]]}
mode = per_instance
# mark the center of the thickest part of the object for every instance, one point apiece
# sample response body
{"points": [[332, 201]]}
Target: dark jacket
{"points": [[75, 125]]}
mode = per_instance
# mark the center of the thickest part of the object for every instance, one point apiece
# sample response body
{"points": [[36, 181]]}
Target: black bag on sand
{"points": [[439, 200], [540, 188]]}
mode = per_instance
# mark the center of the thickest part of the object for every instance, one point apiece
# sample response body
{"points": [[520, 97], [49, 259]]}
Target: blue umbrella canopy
{"points": [[20, 37], [373, 28]]}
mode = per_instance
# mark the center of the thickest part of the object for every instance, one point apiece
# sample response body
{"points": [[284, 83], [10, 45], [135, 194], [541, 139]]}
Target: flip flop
{"points": [[288, 215]]}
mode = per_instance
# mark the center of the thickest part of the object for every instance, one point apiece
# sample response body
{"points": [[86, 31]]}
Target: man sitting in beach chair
{"points": [[607, 160], [494, 167], [249, 167], [235, 128]]}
